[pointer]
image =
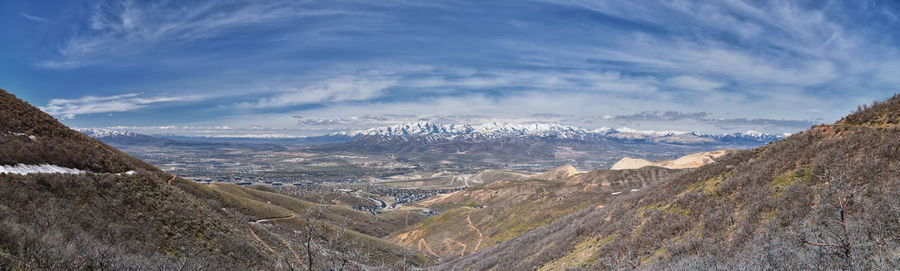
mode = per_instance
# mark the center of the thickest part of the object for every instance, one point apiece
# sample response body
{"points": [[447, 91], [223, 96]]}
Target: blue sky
{"points": [[311, 67]]}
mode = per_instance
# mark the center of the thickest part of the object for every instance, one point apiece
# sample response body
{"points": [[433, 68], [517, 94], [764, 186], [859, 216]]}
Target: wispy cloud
{"points": [[694, 83], [32, 17], [69, 108], [333, 90], [120, 28]]}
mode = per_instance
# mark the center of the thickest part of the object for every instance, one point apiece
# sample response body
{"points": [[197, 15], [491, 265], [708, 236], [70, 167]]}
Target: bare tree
{"points": [[835, 234]]}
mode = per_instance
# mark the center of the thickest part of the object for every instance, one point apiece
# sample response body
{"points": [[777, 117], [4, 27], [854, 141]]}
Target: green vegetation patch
{"points": [[655, 255], [522, 218], [647, 208], [770, 215], [786, 179], [659, 206], [711, 185], [678, 211], [584, 252]]}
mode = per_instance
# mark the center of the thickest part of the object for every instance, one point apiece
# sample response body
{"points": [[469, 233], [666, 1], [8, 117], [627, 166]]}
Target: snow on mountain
{"points": [[101, 133], [546, 130], [491, 129], [627, 130]]}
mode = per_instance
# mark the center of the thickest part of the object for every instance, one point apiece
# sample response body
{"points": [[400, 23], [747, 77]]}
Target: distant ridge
{"points": [[440, 131]]}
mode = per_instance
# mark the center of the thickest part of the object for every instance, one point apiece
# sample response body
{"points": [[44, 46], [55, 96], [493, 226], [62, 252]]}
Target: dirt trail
{"points": [[296, 255], [480, 236], [264, 242], [448, 242], [172, 179], [260, 239], [423, 243], [275, 219]]}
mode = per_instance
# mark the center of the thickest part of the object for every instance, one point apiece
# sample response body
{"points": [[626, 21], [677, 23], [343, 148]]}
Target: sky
{"points": [[302, 68]]}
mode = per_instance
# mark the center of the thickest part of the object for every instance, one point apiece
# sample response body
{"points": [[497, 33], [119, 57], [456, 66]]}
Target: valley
{"points": [[387, 205]]}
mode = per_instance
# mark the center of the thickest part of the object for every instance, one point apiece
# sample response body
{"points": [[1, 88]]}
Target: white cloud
{"points": [[69, 108], [332, 90], [694, 83]]}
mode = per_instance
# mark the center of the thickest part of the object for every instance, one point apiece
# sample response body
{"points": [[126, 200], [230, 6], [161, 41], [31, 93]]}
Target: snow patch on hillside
{"points": [[23, 169], [32, 137]]}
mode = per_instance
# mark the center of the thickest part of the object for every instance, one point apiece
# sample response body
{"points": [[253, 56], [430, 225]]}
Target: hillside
{"points": [[113, 211], [30, 136], [101, 216], [825, 198], [483, 216]]}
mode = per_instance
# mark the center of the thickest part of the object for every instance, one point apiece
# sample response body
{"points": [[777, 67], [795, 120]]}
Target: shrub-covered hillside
{"points": [[123, 214], [823, 199], [29, 136], [107, 217]]}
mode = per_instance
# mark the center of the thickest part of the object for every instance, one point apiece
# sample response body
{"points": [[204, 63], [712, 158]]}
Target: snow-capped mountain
{"points": [[492, 129], [103, 133], [122, 138], [437, 131]]}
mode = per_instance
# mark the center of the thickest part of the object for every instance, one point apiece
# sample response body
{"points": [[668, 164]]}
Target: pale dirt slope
{"points": [[693, 160]]}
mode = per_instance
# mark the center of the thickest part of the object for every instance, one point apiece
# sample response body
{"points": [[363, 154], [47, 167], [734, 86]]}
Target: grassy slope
{"points": [[511, 208]]}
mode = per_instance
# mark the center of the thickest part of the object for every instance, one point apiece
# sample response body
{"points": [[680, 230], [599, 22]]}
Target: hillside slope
{"points": [[825, 198], [483, 216], [113, 211], [103, 218]]}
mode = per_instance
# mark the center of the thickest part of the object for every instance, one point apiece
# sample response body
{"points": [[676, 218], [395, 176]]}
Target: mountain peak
{"points": [[103, 132]]}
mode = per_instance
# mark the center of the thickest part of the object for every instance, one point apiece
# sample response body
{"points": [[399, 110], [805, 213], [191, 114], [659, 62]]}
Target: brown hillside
{"points": [[54, 143], [881, 113], [151, 220], [825, 198]]}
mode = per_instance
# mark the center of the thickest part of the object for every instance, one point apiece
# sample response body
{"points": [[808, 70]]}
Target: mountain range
{"points": [[492, 130]]}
